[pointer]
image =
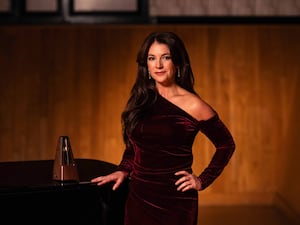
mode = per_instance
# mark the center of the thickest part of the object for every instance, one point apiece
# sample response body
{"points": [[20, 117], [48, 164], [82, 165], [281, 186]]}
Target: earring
{"points": [[149, 75], [178, 73]]}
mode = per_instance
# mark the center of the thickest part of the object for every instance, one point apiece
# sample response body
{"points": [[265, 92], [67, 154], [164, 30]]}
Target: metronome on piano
{"points": [[64, 167]]}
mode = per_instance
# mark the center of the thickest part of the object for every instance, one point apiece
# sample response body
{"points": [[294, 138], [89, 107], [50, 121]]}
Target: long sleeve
{"points": [[127, 160], [216, 131]]}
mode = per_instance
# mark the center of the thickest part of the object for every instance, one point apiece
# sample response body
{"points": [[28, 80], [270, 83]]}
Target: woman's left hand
{"points": [[187, 181]]}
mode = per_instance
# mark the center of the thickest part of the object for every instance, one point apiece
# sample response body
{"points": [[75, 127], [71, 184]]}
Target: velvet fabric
{"points": [[162, 145]]}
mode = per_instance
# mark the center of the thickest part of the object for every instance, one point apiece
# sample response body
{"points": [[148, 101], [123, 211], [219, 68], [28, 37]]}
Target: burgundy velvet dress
{"points": [[162, 145]]}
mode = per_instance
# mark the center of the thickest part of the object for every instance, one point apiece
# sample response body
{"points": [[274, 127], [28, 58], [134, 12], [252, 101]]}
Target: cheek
{"points": [[172, 69], [150, 66]]}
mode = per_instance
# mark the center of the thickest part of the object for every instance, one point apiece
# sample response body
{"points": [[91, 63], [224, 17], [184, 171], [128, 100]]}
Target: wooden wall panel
{"points": [[75, 80]]}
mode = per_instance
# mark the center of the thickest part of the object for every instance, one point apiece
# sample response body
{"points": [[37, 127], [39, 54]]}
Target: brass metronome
{"points": [[64, 167]]}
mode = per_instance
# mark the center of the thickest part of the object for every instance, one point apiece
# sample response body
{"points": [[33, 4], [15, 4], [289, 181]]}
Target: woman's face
{"points": [[160, 64]]}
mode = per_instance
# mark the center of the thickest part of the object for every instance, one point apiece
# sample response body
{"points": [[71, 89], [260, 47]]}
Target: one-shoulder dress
{"points": [[162, 145]]}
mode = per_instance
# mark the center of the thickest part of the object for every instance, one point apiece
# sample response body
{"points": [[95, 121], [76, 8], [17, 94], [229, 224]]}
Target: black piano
{"points": [[29, 195]]}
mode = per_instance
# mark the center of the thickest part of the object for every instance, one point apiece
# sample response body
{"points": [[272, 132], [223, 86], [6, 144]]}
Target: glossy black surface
{"points": [[29, 195]]}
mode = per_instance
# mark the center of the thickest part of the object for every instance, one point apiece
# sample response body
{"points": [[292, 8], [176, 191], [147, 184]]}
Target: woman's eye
{"points": [[166, 57], [150, 58]]}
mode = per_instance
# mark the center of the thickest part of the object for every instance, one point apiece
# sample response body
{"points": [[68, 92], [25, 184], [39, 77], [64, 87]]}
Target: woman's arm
{"points": [[216, 131]]}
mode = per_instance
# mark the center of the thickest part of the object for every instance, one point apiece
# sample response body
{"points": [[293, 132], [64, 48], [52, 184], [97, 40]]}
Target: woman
{"points": [[160, 122]]}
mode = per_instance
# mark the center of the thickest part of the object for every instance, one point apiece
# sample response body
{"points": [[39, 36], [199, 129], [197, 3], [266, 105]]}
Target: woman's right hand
{"points": [[117, 177]]}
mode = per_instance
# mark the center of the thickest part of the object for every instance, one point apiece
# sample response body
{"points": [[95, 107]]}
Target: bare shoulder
{"points": [[197, 107]]}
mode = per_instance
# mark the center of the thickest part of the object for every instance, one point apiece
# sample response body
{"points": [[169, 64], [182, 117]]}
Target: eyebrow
{"points": [[161, 55]]}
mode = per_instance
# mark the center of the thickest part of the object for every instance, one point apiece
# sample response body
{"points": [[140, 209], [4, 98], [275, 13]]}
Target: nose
{"points": [[158, 64]]}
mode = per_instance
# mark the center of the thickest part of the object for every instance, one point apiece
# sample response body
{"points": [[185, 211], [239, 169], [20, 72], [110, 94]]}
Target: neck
{"points": [[168, 91]]}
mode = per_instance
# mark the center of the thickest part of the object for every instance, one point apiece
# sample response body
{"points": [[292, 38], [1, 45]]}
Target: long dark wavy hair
{"points": [[143, 93]]}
